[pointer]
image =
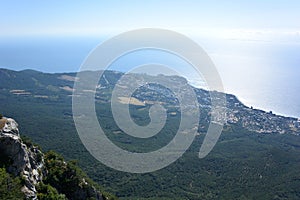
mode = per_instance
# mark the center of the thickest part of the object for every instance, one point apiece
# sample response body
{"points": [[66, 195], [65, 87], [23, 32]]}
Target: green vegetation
{"points": [[10, 187], [68, 179], [47, 192], [27, 140], [243, 164], [62, 181]]}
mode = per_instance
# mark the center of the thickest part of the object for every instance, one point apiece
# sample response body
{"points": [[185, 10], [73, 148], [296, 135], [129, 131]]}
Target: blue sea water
{"points": [[262, 75]]}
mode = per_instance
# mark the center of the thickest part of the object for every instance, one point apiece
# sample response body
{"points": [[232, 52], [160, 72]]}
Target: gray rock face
{"points": [[24, 161], [9, 126], [27, 161]]}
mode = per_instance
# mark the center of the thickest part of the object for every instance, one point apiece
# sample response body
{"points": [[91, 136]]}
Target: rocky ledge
{"points": [[24, 161], [28, 162]]}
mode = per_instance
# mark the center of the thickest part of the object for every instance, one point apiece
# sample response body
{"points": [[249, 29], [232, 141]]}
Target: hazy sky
{"points": [[33, 17], [254, 44]]}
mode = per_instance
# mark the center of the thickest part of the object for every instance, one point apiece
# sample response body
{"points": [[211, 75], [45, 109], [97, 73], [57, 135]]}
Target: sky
{"points": [[33, 17], [255, 45]]}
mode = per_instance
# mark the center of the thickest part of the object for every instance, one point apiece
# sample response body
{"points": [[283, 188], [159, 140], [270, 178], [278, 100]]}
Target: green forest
{"points": [[243, 164]]}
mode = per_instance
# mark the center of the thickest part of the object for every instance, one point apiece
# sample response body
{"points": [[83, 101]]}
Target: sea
{"points": [[262, 74]]}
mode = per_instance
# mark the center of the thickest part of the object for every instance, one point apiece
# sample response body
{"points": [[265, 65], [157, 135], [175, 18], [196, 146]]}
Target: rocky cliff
{"points": [[28, 162], [23, 161]]}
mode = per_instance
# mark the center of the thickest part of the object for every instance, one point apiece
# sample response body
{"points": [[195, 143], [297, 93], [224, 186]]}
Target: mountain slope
{"points": [[38, 175], [52, 88], [256, 157]]}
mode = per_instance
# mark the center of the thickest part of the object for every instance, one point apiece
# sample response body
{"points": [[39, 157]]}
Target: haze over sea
{"points": [[260, 73]]}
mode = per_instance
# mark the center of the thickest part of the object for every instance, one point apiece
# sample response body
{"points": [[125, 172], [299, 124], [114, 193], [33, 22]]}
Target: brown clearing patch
{"points": [[67, 88], [68, 78], [132, 101], [2, 122]]}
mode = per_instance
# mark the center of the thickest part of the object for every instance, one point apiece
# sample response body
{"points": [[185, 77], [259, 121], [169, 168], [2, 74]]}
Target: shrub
{"points": [[47, 192], [10, 187]]}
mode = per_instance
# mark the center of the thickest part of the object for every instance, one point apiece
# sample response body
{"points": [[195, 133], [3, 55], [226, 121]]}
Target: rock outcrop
{"points": [[23, 161], [9, 126]]}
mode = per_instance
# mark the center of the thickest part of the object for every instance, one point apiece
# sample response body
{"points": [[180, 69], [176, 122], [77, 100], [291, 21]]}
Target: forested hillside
{"points": [[256, 157]]}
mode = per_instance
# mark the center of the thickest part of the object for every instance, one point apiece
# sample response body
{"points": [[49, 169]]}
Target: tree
{"points": [[10, 188], [47, 192]]}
